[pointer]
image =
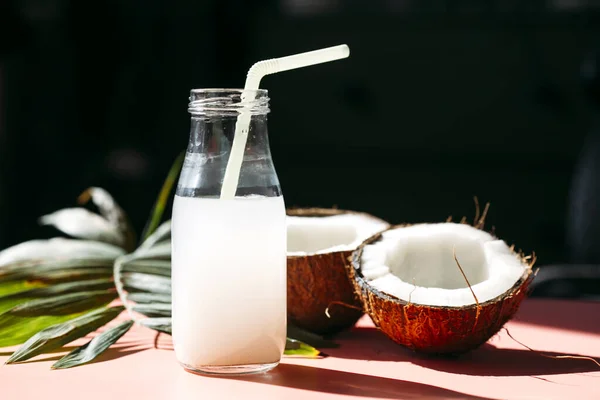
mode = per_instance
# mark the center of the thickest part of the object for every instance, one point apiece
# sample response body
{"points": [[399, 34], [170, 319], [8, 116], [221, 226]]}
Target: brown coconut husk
{"points": [[318, 285], [437, 329]]}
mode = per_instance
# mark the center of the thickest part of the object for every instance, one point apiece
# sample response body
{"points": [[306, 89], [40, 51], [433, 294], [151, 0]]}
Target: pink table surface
{"points": [[367, 365]]}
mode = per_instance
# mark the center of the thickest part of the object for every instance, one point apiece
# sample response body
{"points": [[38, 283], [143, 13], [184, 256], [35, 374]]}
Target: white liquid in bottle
{"points": [[229, 281]]}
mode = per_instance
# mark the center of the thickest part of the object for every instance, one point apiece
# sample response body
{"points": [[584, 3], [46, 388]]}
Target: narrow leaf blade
{"points": [[163, 197], [81, 223], [60, 288], [94, 347], [149, 298], [58, 335], [16, 330], [162, 233], [134, 281], [33, 291], [158, 324], [297, 348], [53, 277], [160, 251], [152, 267], [112, 212], [11, 300], [65, 304], [7, 303], [11, 288], [154, 310], [30, 270], [58, 248]]}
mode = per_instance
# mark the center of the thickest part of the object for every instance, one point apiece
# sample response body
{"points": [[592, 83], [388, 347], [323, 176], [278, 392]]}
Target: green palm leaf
{"points": [[112, 212], [64, 304], [84, 224], [162, 233], [154, 310], [16, 330], [94, 347], [296, 348], [61, 288], [58, 248], [154, 267], [10, 300], [158, 324], [159, 251], [58, 335], [38, 269], [146, 282], [14, 287], [149, 298]]}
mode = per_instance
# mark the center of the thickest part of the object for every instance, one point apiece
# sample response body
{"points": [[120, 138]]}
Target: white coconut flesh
{"points": [[416, 264], [319, 235]]}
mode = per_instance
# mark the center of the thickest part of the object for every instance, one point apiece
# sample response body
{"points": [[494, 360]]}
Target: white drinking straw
{"points": [[255, 74]]}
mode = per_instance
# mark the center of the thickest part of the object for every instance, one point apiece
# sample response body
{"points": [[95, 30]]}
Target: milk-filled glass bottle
{"points": [[228, 254]]}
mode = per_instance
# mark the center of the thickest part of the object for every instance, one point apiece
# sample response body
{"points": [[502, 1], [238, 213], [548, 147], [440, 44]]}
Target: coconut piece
{"points": [[320, 243], [410, 281]]}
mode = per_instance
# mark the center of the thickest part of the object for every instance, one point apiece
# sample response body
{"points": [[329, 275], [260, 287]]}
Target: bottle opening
{"points": [[228, 101]]}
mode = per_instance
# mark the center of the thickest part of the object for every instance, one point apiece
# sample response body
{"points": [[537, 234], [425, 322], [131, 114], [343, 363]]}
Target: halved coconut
{"points": [[413, 289], [320, 243]]}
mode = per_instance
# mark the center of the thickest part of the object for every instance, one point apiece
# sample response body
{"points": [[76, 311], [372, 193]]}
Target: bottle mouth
{"points": [[228, 101]]}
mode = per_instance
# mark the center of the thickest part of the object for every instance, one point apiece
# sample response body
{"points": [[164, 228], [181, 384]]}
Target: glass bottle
{"points": [[228, 255]]}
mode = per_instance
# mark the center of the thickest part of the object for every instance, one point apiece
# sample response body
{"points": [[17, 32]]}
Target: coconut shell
{"points": [[319, 282], [435, 329]]}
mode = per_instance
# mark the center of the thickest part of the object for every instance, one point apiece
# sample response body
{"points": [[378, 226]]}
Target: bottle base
{"points": [[230, 370]]}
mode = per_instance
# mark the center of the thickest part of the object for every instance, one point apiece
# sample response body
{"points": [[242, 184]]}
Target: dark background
{"points": [[439, 101]]}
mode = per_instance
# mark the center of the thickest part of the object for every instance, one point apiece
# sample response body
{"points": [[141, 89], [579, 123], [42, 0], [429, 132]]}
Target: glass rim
{"points": [[229, 90], [217, 100]]}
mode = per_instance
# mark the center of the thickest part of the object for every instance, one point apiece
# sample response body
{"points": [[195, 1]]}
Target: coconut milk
{"points": [[229, 281]]}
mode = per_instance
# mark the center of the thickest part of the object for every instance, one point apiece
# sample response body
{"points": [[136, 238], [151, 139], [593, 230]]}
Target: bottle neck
{"points": [[214, 136], [212, 133], [215, 113]]}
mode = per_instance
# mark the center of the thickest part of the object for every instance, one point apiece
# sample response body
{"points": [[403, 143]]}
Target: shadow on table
{"points": [[158, 341], [134, 345], [352, 384], [560, 314], [112, 353], [61, 350], [488, 360], [492, 361]]}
